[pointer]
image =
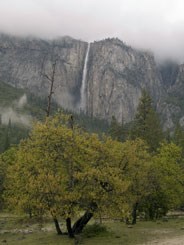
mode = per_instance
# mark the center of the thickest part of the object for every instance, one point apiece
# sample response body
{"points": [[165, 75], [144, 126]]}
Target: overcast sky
{"points": [[157, 25]]}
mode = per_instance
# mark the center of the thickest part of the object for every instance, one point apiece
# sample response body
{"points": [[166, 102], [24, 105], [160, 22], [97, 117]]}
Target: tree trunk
{"points": [[134, 213], [51, 79], [69, 228], [58, 229], [30, 213], [151, 213], [80, 223]]}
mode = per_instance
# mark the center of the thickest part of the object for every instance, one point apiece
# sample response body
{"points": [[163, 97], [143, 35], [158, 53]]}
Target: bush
{"points": [[94, 230]]}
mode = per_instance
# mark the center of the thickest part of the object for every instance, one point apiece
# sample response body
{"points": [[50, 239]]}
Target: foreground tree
{"points": [[63, 171], [135, 164], [6, 159], [165, 182]]}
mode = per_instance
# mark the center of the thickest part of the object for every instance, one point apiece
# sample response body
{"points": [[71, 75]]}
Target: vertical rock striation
{"points": [[116, 75]]}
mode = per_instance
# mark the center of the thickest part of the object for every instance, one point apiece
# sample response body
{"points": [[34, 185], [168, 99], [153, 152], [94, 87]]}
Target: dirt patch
{"points": [[170, 241]]}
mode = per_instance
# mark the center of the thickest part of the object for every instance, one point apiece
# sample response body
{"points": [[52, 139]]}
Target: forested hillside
{"points": [[19, 109]]}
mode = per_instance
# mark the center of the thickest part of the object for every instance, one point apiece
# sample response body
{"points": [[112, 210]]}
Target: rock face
{"points": [[28, 63], [114, 77], [172, 106]]}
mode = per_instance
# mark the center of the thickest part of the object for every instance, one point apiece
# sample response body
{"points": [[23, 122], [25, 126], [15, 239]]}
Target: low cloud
{"points": [[149, 24], [15, 114], [21, 102], [8, 114], [64, 99]]}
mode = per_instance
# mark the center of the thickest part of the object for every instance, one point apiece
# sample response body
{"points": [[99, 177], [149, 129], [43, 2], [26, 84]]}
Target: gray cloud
{"points": [[149, 24]]}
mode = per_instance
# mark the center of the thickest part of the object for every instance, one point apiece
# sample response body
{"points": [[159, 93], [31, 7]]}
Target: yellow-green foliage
{"points": [[167, 175], [165, 181], [6, 159], [62, 170]]}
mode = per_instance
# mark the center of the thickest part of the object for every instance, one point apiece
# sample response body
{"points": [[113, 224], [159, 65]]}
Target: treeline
{"points": [[65, 172], [11, 133], [147, 126]]}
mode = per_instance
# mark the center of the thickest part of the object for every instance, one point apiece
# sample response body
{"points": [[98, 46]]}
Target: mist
{"points": [[147, 24], [15, 114]]}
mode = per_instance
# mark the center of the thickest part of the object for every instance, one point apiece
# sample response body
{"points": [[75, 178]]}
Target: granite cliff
{"points": [[116, 75], [26, 63], [104, 78]]}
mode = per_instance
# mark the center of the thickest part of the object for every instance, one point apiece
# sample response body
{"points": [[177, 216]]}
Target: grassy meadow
{"points": [[21, 231]]}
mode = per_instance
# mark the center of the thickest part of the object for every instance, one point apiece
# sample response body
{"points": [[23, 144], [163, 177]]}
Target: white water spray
{"points": [[83, 87]]}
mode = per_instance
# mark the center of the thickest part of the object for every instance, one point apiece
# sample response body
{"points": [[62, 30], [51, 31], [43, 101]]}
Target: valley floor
{"points": [[15, 230]]}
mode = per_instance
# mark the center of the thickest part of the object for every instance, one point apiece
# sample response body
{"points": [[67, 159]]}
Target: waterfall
{"points": [[83, 86]]}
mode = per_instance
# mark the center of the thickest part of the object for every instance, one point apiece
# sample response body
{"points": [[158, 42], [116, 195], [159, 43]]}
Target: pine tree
{"points": [[117, 130], [6, 141], [7, 135], [146, 123]]}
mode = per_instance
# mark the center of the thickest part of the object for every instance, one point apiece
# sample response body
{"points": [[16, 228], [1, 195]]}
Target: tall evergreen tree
{"points": [[117, 130], [7, 135], [6, 141], [146, 123]]}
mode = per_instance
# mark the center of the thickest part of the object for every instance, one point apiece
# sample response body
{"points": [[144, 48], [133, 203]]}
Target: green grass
{"points": [[119, 233], [34, 239], [26, 232]]}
